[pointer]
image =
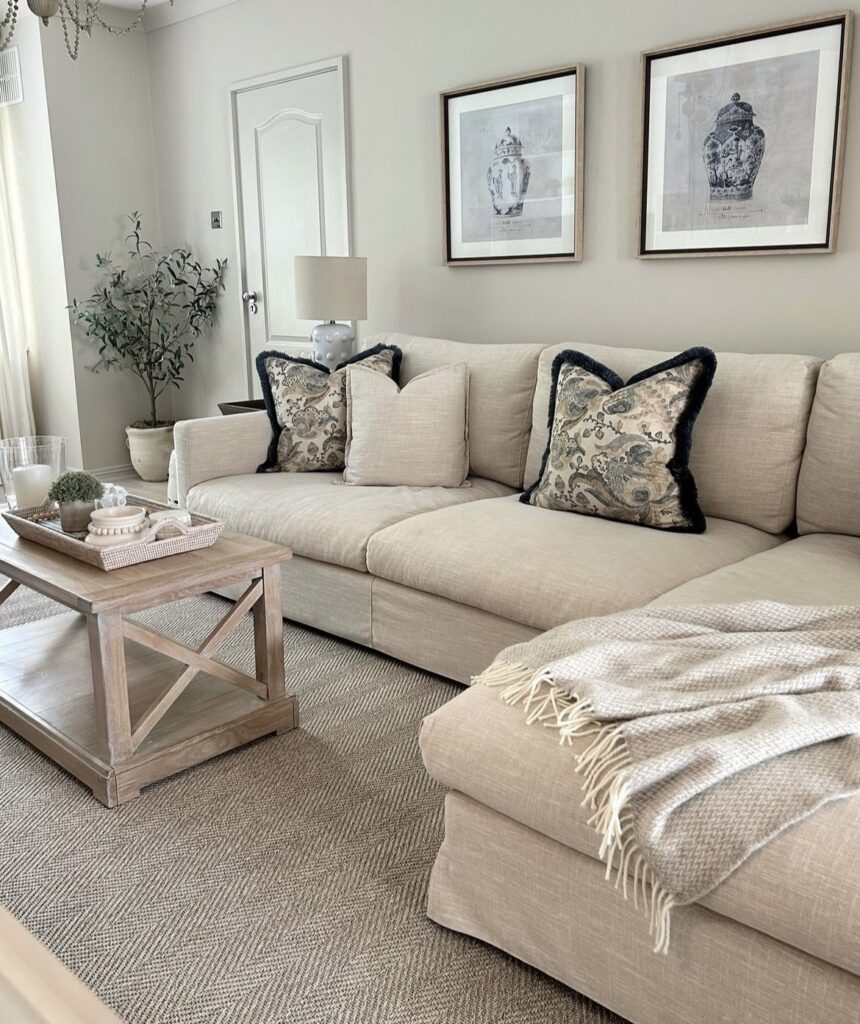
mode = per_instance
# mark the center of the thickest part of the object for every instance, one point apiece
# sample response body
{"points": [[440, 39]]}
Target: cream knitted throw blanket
{"points": [[711, 729]]}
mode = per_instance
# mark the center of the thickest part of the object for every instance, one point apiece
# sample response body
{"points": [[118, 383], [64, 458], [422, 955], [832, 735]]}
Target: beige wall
{"points": [[25, 137], [102, 148], [402, 53], [168, 90]]}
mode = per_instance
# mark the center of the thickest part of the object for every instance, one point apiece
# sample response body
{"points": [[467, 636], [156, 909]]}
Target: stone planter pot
{"points": [[150, 449], [75, 516]]}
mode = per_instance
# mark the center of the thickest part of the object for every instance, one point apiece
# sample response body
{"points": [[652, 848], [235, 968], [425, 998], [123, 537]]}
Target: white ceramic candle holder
{"points": [[124, 524]]}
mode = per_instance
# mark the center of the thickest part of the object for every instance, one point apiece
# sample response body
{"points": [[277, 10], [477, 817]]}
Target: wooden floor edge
{"points": [[36, 987]]}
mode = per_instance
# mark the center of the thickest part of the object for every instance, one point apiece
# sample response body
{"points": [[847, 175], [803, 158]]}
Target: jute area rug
{"points": [[284, 882]]}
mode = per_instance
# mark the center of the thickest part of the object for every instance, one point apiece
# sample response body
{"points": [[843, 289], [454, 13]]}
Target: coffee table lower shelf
{"points": [[46, 697]]}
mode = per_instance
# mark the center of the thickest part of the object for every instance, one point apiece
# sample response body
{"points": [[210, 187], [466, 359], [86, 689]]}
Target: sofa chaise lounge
{"points": [[445, 579]]}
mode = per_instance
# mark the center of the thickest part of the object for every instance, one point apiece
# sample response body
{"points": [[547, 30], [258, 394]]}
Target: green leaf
{"points": [[145, 315]]}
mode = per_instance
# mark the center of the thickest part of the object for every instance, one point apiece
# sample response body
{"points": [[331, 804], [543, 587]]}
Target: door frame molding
{"points": [[339, 66]]}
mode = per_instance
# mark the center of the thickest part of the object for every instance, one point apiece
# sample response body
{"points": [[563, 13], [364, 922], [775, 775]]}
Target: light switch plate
{"points": [[217, 220]]}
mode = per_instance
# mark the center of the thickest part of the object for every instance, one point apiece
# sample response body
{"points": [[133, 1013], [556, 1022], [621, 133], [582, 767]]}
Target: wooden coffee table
{"points": [[101, 695]]}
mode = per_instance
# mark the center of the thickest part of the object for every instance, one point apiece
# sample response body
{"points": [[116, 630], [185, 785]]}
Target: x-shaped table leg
{"points": [[198, 660]]}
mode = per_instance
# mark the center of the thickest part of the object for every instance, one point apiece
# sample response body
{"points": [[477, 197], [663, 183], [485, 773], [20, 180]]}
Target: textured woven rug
{"points": [[284, 882]]}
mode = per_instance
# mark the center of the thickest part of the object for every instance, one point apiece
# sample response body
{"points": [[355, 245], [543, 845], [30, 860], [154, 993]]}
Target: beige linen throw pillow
{"points": [[415, 436]]}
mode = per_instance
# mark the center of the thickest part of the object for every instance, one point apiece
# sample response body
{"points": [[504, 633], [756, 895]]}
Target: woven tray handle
{"points": [[153, 532]]}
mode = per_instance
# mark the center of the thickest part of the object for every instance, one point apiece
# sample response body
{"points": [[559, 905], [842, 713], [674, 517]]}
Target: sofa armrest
{"points": [[219, 446]]}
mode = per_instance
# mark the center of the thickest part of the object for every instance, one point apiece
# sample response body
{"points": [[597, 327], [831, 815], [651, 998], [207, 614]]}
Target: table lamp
{"points": [[331, 288]]}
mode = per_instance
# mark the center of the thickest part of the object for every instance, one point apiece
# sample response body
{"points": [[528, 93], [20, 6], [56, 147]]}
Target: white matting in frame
{"points": [[513, 169], [742, 142]]}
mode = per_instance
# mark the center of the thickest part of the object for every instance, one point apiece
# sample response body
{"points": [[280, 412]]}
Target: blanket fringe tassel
{"points": [[605, 769]]}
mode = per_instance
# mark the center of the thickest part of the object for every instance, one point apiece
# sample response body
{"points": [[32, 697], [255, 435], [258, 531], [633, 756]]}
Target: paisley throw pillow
{"points": [[306, 403], [622, 451]]}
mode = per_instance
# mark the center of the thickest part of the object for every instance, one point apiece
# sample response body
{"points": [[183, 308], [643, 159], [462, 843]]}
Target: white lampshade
{"points": [[331, 287]]}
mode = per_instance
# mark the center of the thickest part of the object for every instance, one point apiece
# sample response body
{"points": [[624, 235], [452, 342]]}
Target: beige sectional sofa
{"points": [[372, 563], [446, 579]]}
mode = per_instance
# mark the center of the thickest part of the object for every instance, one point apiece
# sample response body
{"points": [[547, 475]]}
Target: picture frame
{"points": [[513, 157], [743, 140]]}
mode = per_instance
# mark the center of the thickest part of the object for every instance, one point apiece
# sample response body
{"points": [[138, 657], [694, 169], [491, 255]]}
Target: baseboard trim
{"points": [[112, 472]]}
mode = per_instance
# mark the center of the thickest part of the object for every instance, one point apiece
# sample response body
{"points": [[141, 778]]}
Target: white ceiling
{"points": [[160, 13]]}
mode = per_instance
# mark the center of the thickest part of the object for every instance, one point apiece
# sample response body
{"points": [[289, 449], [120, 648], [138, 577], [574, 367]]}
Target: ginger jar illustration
{"points": [[733, 152], [508, 177]]}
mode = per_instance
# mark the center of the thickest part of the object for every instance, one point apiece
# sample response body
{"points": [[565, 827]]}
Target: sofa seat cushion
{"points": [[802, 888], [317, 515], [819, 569], [541, 567]]}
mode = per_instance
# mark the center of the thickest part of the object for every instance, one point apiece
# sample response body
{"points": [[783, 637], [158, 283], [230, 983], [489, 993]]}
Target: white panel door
{"points": [[292, 194]]}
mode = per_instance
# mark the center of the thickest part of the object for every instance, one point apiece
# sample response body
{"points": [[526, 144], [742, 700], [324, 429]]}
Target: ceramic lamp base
{"points": [[332, 343]]}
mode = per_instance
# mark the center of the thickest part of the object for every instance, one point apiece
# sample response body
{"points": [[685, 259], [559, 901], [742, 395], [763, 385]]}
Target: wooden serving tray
{"points": [[41, 525]]}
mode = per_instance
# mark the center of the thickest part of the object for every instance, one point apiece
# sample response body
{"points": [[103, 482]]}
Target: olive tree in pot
{"points": [[145, 316]]}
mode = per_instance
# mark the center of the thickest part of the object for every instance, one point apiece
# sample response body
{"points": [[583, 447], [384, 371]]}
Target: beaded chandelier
{"points": [[76, 16]]}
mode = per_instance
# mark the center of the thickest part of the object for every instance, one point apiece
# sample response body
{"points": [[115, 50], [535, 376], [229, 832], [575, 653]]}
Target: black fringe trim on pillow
{"points": [[679, 464], [395, 362], [271, 463]]}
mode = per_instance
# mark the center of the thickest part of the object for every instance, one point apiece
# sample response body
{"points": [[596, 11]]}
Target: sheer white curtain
{"points": [[16, 410]]}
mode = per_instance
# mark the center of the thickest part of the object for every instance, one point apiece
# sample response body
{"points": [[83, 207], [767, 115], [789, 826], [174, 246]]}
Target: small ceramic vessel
{"points": [[124, 524], [119, 517]]}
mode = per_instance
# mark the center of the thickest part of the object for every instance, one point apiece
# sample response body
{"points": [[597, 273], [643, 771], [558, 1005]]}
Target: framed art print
{"points": [[742, 142], [513, 154]]}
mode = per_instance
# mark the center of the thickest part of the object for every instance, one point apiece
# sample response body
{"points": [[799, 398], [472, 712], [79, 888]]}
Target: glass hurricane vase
{"points": [[28, 467]]}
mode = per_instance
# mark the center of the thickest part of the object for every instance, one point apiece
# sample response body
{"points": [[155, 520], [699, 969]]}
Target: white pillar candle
{"points": [[31, 484]]}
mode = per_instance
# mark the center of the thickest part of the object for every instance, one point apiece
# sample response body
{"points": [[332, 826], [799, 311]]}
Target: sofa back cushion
{"points": [[501, 386], [828, 495], [748, 439]]}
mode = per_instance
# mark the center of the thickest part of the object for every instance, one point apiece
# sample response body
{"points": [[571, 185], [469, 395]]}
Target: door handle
{"points": [[250, 300]]}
